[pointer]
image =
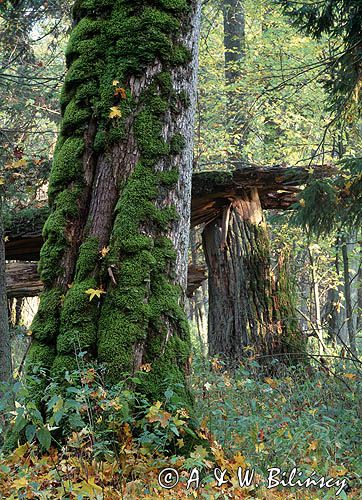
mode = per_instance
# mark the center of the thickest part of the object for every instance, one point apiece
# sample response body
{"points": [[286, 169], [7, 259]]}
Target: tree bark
{"points": [[120, 190], [359, 293], [5, 344], [316, 300]]}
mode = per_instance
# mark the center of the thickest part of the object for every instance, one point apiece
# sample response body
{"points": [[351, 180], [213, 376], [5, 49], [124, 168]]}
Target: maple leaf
{"points": [[239, 461], [104, 251], [120, 91], [115, 83], [350, 376], [302, 202], [2, 181], [146, 367], [115, 112], [271, 382], [94, 292], [313, 445]]}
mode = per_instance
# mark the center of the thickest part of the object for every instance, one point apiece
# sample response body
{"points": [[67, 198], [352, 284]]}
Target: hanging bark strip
{"points": [[120, 189]]}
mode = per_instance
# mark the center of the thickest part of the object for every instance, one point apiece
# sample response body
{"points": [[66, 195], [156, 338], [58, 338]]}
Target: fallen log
{"points": [[277, 187], [22, 279], [211, 192]]}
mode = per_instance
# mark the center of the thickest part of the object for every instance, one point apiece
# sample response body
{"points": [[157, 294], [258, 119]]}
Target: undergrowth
{"points": [[118, 442]]}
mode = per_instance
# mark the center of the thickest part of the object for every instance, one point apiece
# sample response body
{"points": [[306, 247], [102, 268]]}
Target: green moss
{"points": [[62, 364], [87, 259], [75, 117], [39, 355], [169, 178], [54, 225], [178, 6], [78, 319], [130, 36], [148, 131], [66, 201], [99, 140], [67, 165], [45, 325], [50, 257], [177, 144]]}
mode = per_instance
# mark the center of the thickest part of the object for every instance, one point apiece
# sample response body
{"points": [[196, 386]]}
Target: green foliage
{"points": [[335, 203], [294, 419], [341, 21], [317, 208]]}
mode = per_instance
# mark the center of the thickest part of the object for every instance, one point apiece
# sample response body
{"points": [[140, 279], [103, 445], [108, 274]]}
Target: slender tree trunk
{"points": [[316, 300], [234, 51], [5, 344], [333, 310], [347, 297], [114, 262], [359, 293]]}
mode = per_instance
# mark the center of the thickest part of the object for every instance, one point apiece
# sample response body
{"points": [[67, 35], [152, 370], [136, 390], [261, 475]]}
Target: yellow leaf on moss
{"points": [[115, 112], [104, 251], [94, 292]]}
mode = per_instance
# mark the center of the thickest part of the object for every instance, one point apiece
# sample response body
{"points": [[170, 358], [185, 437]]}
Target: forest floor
{"points": [[304, 418]]}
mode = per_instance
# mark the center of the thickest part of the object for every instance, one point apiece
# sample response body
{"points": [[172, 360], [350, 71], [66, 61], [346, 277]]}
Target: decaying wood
{"points": [[277, 187], [196, 275], [211, 193], [22, 280]]}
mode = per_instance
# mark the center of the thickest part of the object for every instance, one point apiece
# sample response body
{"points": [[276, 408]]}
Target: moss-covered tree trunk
{"points": [[248, 313], [120, 193]]}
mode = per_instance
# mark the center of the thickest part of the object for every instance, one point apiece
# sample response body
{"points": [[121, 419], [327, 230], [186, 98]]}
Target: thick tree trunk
{"points": [[244, 307], [120, 191], [5, 344]]}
